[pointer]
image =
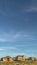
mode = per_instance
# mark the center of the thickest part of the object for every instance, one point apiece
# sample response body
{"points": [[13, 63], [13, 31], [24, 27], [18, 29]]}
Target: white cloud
{"points": [[12, 37], [2, 40], [32, 9], [9, 37], [1, 49], [8, 48]]}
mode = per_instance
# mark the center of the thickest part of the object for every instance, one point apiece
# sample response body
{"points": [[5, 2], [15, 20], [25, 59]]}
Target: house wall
{"points": [[21, 58], [11, 59], [33, 59], [4, 59]]}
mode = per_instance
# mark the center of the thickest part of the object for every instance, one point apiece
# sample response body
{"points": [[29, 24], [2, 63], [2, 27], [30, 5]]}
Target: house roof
{"points": [[20, 56], [7, 57]]}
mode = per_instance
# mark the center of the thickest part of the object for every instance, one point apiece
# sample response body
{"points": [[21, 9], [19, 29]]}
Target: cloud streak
{"points": [[8, 48], [11, 37], [1, 49], [31, 9]]}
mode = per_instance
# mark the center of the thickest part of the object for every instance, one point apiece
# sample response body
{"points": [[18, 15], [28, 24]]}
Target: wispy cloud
{"points": [[8, 48], [11, 37], [2, 40], [1, 49], [31, 9]]}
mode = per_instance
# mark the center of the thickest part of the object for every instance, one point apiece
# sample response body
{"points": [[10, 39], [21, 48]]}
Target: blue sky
{"points": [[18, 27]]}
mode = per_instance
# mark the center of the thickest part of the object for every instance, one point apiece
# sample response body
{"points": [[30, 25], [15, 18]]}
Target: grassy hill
{"points": [[27, 62]]}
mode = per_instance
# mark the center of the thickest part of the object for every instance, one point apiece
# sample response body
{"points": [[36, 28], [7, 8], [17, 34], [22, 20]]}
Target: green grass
{"points": [[19, 63]]}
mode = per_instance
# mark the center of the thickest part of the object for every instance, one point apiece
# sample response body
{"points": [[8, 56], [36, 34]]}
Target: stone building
{"points": [[31, 58], [7, 58], [20, 57]]}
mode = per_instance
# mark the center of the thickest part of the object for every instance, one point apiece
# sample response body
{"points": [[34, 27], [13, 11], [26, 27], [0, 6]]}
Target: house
{"points": [[4, 59], [31, 58], [20, 57], [7, 58]]}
